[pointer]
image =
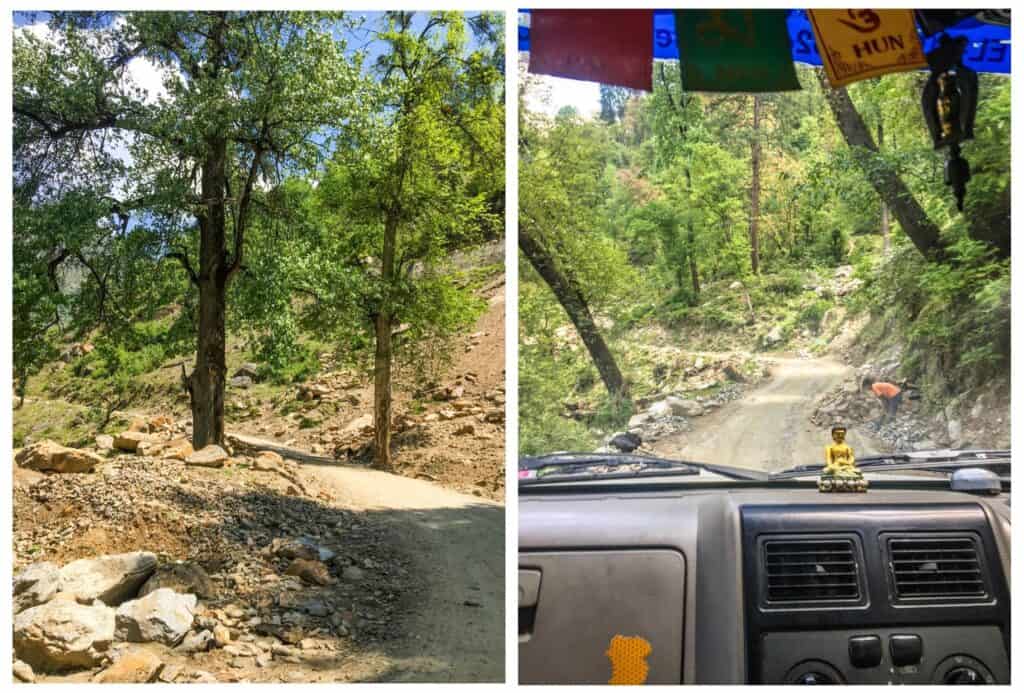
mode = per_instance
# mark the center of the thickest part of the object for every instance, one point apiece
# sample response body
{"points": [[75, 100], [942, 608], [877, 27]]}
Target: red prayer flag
{"points": [[607, 46]]}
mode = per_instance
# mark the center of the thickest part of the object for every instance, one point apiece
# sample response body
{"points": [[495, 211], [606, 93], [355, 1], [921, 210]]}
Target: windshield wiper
{"points": [[574, 466], [918, 460]]}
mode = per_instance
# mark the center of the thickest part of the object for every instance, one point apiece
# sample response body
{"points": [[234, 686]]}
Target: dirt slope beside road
{"points": [[457, 545], [769, 429]]}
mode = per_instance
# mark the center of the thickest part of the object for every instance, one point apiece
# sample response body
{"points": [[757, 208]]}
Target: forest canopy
{"points": [[279, 177], [651, 209]]}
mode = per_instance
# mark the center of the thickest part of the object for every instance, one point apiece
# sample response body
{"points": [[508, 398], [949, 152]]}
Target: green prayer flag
{"points": [[735, 50]]}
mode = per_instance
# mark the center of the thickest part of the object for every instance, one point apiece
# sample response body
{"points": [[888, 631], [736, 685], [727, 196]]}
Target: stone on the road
{"points": [[178, 449], [163, 616], [267, 461], [210, 456], [196, 642], [62, 634], [23, 672], [313, 572], [129, 440], [241, 381], [133, 666], [34, 585], [684, 407], [185, 577], [111, 579], [48, 456]]}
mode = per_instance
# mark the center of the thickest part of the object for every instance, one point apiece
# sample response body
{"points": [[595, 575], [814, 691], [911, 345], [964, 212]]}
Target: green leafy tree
{"points": [[419, 175], [246, 98]]}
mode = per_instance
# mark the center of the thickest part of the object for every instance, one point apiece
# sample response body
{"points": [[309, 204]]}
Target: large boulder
{"points": [[48, 456], [248, 370], [35, 585], [241, 381], [684, 407], [361, 425], [660, 410], [267, 461], [163, 616], [773, 337], [210, 456], [23, 672], [129, 441], [186, 577], [639, 420], [197, 642], [62, 634], [111, 579], [312, 572], [132, 666], [178, 449]]}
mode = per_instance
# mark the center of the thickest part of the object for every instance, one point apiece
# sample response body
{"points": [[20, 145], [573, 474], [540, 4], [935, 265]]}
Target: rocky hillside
{"points": [[161, 565], [139, 559]]}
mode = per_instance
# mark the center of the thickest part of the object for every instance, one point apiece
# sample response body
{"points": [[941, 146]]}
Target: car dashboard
{"points": [[762, 585]]}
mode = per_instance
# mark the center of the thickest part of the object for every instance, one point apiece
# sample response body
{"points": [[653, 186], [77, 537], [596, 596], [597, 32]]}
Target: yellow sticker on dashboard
{"points": [[628, 655], [858, 44]]}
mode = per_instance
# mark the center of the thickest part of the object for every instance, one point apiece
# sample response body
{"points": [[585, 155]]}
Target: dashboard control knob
{"points": [[963, 675], [962, 670], [813, 673]]}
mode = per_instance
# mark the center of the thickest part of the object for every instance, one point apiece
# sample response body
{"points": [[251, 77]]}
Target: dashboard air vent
{"points": [[810, 570], [935, 566]]}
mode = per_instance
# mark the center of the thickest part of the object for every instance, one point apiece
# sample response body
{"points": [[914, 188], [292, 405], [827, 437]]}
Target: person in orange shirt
{"points": [[888, 394]]}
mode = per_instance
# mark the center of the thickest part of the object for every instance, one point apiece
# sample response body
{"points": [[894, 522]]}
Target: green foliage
{"points": [[812, 314], [648, 208]]}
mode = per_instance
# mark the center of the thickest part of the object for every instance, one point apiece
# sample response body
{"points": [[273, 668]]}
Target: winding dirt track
{"points": [[769, 428], [458, 543]]}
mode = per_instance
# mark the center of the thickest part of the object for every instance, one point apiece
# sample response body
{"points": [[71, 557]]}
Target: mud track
{"points": [[769, 429]]}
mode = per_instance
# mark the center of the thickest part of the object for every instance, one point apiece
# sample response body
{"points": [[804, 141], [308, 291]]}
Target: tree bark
{"points": [[755, 187], [383, 352], [885, 207], [206, 384], [694, 275], [575, 305], [886, 182]]}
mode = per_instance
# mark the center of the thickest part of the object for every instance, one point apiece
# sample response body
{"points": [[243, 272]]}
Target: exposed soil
{"points": [[427, 540], [465, 453]]}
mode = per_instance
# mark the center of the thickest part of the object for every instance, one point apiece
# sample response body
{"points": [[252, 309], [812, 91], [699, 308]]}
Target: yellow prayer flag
{"points": [[858, 44]]}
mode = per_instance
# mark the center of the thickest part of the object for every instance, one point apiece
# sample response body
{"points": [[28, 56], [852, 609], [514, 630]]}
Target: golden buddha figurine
{"points": [[840, 472]]}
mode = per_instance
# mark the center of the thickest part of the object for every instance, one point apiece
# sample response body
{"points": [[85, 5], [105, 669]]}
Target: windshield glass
{"points": [[727, 277]]}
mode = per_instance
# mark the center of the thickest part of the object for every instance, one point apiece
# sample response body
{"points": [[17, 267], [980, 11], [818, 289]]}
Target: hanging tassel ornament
{"points": [[949, 102]]}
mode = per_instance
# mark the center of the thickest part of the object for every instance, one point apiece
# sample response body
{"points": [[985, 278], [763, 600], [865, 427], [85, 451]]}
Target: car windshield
{"points": [[734, 278]]}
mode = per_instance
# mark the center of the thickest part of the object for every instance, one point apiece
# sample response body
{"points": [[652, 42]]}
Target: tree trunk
{"points": [[755, 187], [692, 256], [206, 384], [890, 187], [885, 207], [382, 354], [575, 305]]}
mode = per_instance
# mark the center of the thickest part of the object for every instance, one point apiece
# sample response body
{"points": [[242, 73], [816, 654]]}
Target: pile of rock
{"points": [[904, 433], [843, 282], [665, 417], [72, 617], [267, 601]]}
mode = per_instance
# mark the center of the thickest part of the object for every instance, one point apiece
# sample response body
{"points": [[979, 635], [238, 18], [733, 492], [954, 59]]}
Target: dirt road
{"points": [[769, 428], [457, 541]]}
